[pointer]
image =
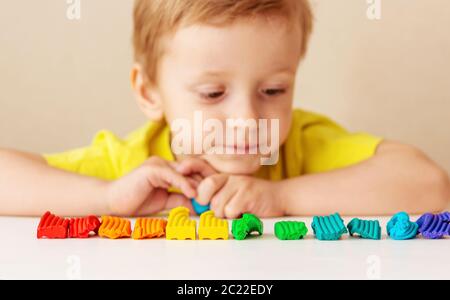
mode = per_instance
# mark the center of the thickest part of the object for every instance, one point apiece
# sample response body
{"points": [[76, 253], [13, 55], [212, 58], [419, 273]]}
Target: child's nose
{"points": [[246, 110]]}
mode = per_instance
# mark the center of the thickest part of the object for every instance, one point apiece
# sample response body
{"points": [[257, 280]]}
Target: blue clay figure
{"points": [[198, 208], [401, 228]]}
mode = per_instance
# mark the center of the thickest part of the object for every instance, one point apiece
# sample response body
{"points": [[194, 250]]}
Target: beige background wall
{"points": [[61, 80]]}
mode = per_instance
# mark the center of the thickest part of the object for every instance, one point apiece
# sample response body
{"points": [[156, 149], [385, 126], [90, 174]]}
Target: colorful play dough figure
{"points": [[434, 226], [52, 227], [243, 227], [212, 228], [114, 228], [366, 229], [82, 227], [445, 216], [198, 208], [149, 228], [328, 228], [401, 228], [290, 230], [179, 226]]}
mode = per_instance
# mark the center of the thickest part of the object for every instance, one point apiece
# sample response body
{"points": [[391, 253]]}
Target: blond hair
{"points": [[154, 19]]}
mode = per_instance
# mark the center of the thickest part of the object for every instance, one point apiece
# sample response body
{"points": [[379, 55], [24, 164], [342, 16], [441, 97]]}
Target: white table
{"points": [[23, 256]]}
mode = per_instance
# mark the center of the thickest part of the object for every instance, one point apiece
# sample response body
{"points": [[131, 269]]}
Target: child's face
{"points": [[244, 70]]}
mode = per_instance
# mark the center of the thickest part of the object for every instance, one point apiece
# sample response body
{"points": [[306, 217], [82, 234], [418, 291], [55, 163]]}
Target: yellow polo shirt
{"points": [[315, 144]]}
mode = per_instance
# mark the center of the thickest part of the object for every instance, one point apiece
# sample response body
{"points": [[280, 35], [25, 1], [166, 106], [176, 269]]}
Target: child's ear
{"points": [[147, 96]]}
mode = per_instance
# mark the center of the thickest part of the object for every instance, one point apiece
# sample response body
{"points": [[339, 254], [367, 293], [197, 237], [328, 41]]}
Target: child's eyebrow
{"points": [[284, 70], [287, 71], [217, 73], [204, 75], [213, 73]]}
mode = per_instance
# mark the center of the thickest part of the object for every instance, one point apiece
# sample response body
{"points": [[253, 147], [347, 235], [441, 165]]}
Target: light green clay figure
{"points": [[290, 230], [243, 227]]}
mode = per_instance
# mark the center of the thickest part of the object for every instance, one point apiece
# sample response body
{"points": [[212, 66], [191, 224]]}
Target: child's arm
{"points": [[397, 177], [29, 187]]}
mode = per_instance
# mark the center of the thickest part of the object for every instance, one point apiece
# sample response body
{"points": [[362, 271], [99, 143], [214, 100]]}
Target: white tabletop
{"points": [[23, 256]]}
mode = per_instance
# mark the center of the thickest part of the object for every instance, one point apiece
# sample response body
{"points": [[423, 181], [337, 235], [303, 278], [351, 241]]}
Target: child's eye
{"points": [[273, 92], [212, 95]]}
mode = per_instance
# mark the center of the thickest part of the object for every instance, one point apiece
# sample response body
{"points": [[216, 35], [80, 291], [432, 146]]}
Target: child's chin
{"points": [[235, 164]]}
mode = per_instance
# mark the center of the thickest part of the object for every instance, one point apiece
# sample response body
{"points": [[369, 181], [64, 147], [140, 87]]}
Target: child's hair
{"points": [[153, 19]]}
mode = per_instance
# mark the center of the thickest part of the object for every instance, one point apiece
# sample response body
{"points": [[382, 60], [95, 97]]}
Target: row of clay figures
{"points": [[179, 226]]}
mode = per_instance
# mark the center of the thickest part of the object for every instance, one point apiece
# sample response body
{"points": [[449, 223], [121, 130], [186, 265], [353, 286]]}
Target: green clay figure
{"points": [[290, 230], [243, 227]]}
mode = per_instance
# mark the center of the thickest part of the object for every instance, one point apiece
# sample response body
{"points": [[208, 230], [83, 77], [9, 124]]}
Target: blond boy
{"points": [[228, 59]]}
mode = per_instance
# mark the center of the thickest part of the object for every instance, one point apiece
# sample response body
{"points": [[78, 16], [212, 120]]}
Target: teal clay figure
{"points": [[366, 229], [401, 228], [243, 227], [328, 228], [290, 230]]}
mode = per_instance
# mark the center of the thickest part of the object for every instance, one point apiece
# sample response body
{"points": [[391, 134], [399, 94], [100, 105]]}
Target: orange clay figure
{"points": [[115, 228], [145, 228]]}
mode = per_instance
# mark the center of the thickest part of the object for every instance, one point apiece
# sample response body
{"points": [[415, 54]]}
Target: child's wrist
{"points": [[283, 194], [109, 200], [276, 191]]}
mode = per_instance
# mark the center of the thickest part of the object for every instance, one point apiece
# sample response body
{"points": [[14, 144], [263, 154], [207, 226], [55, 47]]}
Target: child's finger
{"points": [[175, 200], [153, 204], [170, 177], [209, 187], [221, 199], [235, 207], [195, 166], [197, 178], [173, 164], [194, 182]]}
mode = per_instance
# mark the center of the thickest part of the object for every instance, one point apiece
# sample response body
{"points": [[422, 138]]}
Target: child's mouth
{"points": [[241, 149]]}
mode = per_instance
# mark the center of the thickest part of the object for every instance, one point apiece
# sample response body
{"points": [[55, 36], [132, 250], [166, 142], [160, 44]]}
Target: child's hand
{"points": [[231, 196], [196, 168], [145, 190]]}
